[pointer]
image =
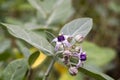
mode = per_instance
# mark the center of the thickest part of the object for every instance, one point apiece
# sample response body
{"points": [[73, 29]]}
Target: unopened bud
{"points": [[73, 71], [67, 52], [83, 56], [79, 38], [77, 48]]}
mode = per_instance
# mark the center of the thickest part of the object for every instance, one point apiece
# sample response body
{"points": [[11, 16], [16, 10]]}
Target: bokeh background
{"points": [[102, 43]]}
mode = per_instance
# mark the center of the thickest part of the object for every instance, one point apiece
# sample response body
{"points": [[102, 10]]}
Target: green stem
{"points": [[49, 69]]}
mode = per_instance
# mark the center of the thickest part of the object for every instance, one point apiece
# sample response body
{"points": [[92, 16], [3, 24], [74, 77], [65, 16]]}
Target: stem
{"points": [[30, 75], [49, 69]]}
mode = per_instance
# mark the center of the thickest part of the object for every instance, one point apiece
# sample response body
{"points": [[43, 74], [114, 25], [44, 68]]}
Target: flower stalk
{"points": [[49, 69]]}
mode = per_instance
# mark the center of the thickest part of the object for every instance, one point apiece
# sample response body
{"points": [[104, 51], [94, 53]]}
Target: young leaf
{"points": [[33, 57], [31, 37], [78, 26], [15, 70], [90, 71]]}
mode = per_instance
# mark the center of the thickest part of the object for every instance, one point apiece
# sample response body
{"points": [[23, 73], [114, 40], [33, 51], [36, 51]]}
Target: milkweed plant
{"points": [[67, 44], [65, 48]]}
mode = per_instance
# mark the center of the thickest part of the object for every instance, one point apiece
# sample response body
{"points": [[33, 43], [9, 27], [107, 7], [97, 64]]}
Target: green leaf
{"points": [[91, 71], [35, 26], [43, 6], [25, 51], [53, 10], [4, 45], [49, 36], [60, 11], [4, 56], [35, 4], [33, 57], [114, 6], [15, 70], [96, 55], [31, 37], [78, 26]]}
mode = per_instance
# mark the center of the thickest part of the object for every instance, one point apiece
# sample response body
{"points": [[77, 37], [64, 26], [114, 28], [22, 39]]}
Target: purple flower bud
{"points": [[73, 71], [83, 56]]}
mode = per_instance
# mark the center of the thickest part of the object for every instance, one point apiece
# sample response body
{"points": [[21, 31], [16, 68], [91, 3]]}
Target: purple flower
{"points": [[61, 40], [73, 71], [83, 56]]}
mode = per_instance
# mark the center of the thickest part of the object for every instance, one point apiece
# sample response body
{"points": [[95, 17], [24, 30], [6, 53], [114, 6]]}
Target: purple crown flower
{"points": [[61, 40], [83, 56], [70, 51]]}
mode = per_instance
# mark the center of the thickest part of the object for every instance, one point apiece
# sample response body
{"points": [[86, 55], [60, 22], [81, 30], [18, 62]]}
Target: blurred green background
{"points": [[102, 44]]}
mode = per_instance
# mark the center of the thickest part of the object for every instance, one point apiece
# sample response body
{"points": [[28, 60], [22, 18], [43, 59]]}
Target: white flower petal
{"points": [[54, 40], [58, 44], [66, 43], [79, 64]]}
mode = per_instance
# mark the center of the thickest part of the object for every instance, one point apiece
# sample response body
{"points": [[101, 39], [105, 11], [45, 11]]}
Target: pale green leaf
{"points": [[94, 73], [45, 5], [36, 5], [49, 36], [80, 26], [31, 37], [96, 55], [60, 11], [25, 51], [15, 70], [4, 45]]}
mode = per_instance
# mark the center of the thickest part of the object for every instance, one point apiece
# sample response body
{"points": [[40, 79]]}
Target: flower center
{"points": [[83, 57], [61, 38]]}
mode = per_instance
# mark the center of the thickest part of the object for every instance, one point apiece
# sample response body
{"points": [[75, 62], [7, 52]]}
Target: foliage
{"points": [[36, 31]]}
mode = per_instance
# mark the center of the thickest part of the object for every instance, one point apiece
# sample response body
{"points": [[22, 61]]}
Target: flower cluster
{"points": [[72, 54]]}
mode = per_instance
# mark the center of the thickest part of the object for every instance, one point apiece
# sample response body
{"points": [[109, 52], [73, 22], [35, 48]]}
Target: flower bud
{"points": [[67, 52], [77, 48], [79, 38], [65, 60], [73, 71], [66, 56], [83, 56]]}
